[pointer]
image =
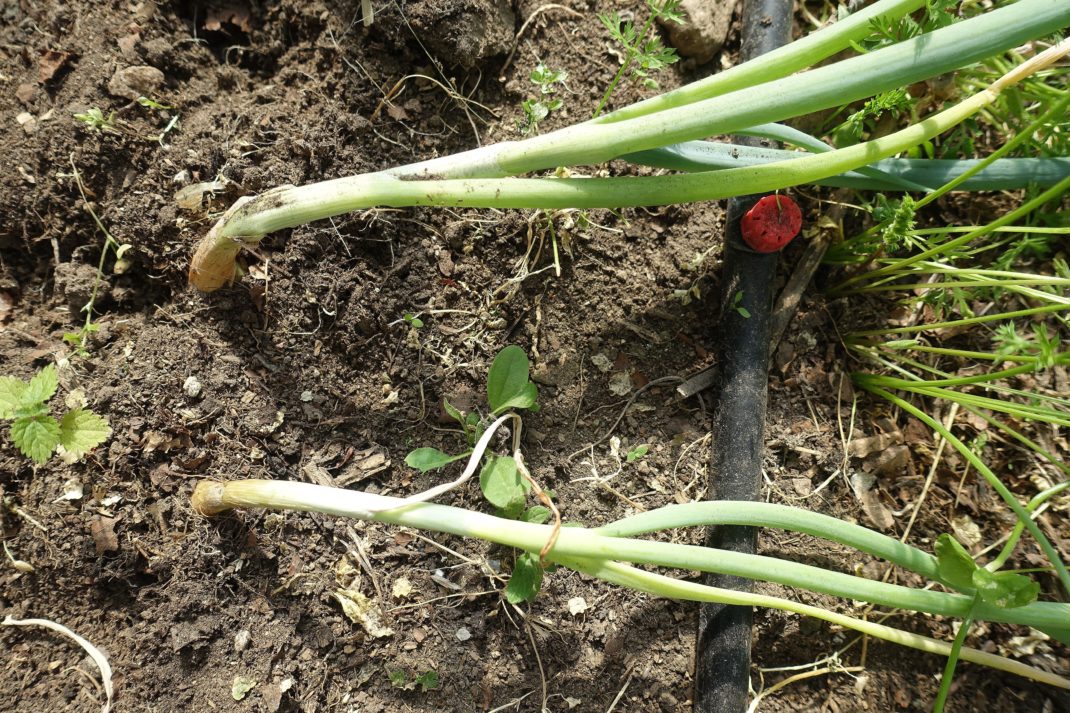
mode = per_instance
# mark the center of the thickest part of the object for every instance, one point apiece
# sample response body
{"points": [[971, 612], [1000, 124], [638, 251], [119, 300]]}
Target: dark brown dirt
{"points": [[308, 372]]}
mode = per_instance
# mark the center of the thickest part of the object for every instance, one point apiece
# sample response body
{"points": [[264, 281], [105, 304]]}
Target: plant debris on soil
{"points": [[306, 369]]}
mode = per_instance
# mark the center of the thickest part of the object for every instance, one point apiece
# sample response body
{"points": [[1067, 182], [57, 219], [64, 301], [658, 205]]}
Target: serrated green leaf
{"points": [[41, 387], [425, 459], [507, 381], [537, 514], [500, 481], [428, 680], [1006, 590], [526, 580], [11, 391], [954, 563], [36, 437], [81, 430]]}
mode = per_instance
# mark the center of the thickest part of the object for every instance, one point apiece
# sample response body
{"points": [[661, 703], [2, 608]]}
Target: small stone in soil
{"points": [[192, 387]]}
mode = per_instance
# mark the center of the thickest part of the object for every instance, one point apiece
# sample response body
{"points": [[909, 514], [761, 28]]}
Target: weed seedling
{"points": [[95, 120], [504, 480], [537, 109], [737, 305], [427, 681], [637, 452], [79, 339], [38, 434], [643, 51]]}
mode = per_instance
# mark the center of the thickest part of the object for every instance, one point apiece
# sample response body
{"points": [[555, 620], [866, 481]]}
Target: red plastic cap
{"points": [[771, 223]]}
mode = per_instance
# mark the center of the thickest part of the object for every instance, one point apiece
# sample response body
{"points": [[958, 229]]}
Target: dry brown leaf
{"points": [[103, 531], [51, 62]]}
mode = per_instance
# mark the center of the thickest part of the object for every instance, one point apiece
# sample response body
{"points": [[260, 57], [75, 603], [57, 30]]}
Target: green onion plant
{"points": [[754, 93]]}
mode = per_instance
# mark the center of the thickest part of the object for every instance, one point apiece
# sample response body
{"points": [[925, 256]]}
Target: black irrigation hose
{"points": [[722, 656]]}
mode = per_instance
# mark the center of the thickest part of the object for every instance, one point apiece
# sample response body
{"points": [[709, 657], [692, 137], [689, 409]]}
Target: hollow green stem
{"points": [[289, 206], [1019, 527], [960, 353], [662, 586], [938, 52], [782, 517], [211, 498], [952, 659], [965, 321], [989, 476], [891, 382], [892, 174]]}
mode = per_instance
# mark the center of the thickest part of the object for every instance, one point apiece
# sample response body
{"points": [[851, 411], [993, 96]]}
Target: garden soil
{"points": [[305, 369]]}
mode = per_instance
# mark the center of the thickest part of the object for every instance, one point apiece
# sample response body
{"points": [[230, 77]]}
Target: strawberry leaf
{"points": [[11, 391], [36, 436], [82, 430], [41, 388]]}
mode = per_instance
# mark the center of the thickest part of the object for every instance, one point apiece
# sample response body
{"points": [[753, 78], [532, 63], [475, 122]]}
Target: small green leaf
{"points": [[507, 381], [425, 459], [638, 452], [527, 398], [453, 412], [514, 510], [398, 678], [526, 580], [500, 481], [152, 104], [241, 687], [537, 514], [11, 391], [1006, 590], [428, 680], [954, 563], [81, 430], [37, 436], [42, 386]]}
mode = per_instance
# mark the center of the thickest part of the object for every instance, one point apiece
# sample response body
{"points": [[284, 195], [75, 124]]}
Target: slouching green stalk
{"points": [[441, 181], [594, 553], [583, 543], [869, 383], [660, 585]]}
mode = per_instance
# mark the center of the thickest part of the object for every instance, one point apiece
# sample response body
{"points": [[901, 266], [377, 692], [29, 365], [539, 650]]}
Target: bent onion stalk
{"points": [[601, 553], [477, 178]]}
